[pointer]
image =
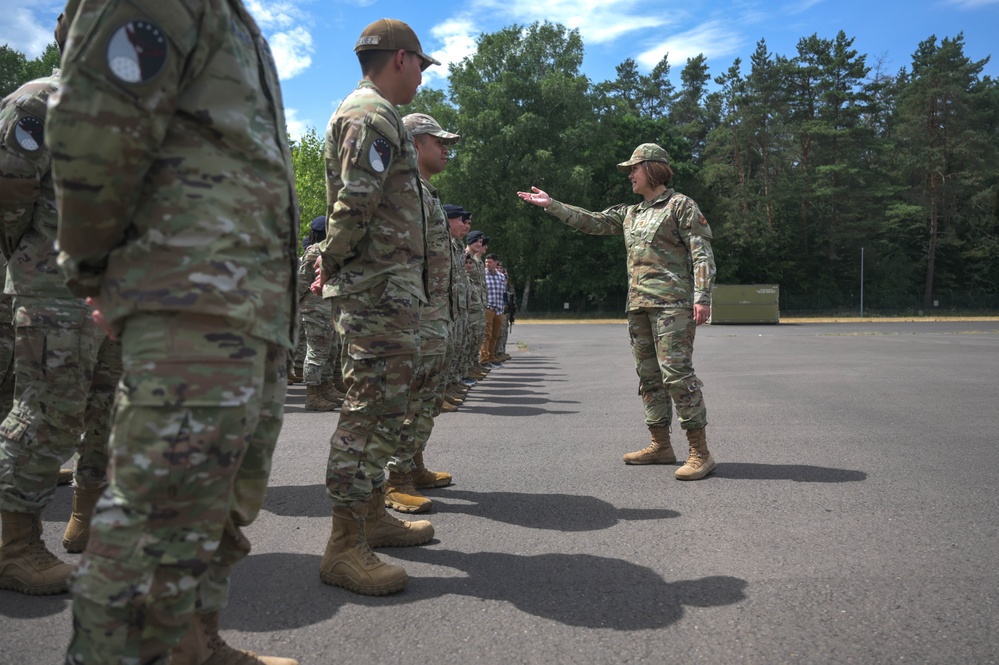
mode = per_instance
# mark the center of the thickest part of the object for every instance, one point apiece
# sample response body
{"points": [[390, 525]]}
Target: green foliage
{"points": [[16, 69], [309, 164]]}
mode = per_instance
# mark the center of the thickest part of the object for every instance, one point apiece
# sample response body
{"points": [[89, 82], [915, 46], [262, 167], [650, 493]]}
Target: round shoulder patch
{"points": [[379, 155], [29, 132], [136, 52]]}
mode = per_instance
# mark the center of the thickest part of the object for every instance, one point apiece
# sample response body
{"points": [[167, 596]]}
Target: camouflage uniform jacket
{"points": [[172, 167], [314, 308], [439, 271], [670, 264], [27, 198], [375, 229], [477, 285]]}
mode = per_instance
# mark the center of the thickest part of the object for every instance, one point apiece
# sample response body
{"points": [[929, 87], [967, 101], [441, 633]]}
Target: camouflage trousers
{"points": [[199, 411], [62, 401], [6, 352], [456, 345], [428, 384], [476, 337], [662, 342], [380, 337], [504, 334], [322, 350]]}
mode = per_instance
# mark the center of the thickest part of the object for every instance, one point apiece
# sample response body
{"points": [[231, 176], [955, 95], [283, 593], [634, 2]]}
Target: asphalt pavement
{"points": [[853, 517]]}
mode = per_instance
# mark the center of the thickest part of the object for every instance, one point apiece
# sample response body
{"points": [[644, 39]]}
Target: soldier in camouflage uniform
{"points": [[671, 270], [458, 226], [180, 225], [317, 323], [6, 346], [373, 265], [407, 472], [475, 247], [55, 357]]}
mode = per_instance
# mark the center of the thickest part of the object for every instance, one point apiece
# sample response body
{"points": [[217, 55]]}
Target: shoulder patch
{"points": [[136, 52], [379, 155], [29, 132]]}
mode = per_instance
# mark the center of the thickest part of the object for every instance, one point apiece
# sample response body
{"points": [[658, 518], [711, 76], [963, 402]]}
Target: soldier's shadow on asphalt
{"points": [[800, 473], [573, 589], [553, 512]]}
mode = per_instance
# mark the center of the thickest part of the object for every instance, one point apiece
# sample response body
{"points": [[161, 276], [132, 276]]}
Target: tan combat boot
{"points": [[315, 401], [65, 477], [384, 530], [454, 399], [26, 565], [402, 496], [349, 562], [448, 407], [659, 450], [78, 529], [202, 645], [329, 391], [424, 479], [699, 463]]}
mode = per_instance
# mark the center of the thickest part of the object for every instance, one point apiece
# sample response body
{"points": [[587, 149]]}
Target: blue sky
{"points": [[313, 39]]}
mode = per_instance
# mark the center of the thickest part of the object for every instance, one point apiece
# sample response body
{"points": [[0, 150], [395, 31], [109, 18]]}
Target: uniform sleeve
{"points": [[696, 234], [361, 151], [24, 161], [607, 223], [121, 77]]}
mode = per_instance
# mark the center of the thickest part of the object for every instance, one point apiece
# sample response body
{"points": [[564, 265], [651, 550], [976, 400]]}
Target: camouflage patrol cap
{"points": [[647, 152], [421, 123], [389, 34]]}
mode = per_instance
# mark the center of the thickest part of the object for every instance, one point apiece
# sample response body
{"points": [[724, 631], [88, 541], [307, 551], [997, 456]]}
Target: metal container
{"points": [[745, 303]]}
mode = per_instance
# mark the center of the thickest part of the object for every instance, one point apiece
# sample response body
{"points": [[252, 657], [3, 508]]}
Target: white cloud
{"points": [[26, 31], [292, 52], [800, 6], [713, 39], [598, 21], [296, 126], [458, 36], [276, 14]]}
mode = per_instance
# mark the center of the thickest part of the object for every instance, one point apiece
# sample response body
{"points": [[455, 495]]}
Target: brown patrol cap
{"points": [[421, 123], [647, 152], [389, 34]]}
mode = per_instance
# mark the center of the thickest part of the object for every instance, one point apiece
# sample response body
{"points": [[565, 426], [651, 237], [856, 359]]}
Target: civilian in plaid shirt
{"points": [[495, 296]]}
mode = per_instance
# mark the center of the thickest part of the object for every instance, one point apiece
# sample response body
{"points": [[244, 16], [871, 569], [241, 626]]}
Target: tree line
{"points": [[798, 161]]}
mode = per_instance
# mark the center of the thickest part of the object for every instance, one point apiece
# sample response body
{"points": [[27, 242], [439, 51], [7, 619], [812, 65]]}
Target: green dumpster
{"points": [[745, 303]]}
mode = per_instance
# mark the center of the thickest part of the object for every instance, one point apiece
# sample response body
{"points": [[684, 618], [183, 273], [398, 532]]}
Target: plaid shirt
{"points": [[495, 290]]}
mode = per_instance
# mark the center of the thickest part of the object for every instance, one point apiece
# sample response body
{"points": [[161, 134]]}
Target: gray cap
{"points": [[647, 152], [421, 123]]}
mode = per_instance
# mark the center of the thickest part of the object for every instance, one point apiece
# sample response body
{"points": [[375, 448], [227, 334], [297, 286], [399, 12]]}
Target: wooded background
{"points": [[799, 162]]}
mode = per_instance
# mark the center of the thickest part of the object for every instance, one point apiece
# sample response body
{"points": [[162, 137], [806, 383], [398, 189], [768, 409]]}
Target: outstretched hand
{"points": [[537, 197]]}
